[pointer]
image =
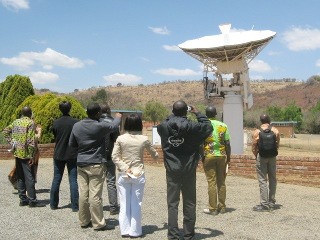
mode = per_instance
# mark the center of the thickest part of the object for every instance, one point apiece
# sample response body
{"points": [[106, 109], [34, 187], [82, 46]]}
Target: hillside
{"points": [[265, 93], [305, 95]]}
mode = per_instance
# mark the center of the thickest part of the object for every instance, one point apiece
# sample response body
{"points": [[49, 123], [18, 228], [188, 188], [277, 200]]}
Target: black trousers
{"points": [[186, 184], [25, 180], [111, 186]]}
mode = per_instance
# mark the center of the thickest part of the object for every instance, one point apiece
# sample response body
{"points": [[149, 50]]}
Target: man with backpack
{"points": [[265, 144]]}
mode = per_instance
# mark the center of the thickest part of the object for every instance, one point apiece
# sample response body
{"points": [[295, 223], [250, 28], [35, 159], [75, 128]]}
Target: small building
{"points": [[286, 128], [125, 114]]}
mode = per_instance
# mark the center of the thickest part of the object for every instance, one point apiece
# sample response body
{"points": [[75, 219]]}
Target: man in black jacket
{"points": [[64, 155], [181, 140]]}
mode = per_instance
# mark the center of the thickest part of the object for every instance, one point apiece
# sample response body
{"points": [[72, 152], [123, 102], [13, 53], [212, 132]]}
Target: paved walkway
{"points": [[298, 217]]}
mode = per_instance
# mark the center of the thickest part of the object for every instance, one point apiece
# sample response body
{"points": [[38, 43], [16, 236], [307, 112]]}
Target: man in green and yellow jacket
{"points": [[217, 151]]}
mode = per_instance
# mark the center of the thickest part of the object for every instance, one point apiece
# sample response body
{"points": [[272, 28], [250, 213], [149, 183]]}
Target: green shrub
{"points": [[13, 91], [45, 110]]}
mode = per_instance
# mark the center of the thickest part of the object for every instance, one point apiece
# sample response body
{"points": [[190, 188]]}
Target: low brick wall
{"points": [[295, 170], [46, 151]]}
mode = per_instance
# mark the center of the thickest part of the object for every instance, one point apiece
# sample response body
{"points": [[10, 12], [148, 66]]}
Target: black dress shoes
{"points": [[87, 226], [105, 228], [21, 204]]}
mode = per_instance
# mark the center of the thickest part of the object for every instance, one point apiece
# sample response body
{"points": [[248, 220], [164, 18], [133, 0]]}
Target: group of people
{"points": [[92, 149]]}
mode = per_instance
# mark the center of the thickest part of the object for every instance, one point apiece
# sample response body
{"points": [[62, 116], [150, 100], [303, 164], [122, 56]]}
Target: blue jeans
{"points": [[57, 177]]}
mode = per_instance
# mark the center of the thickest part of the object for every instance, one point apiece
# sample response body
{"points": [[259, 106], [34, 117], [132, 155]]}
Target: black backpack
{"points": [[267, 143]]}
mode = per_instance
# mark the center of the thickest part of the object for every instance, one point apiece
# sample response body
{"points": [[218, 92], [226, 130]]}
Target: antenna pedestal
{"points": [[233, 117]]}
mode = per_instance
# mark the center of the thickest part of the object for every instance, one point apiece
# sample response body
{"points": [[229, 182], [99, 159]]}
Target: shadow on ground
{"points": [[43, 190]]}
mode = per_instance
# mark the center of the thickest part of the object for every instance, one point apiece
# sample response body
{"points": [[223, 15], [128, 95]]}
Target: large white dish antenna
{"points": [[229, 46], [229, 53]]}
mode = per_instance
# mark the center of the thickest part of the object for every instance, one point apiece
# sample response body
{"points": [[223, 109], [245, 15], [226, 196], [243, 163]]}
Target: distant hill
{"points": [[265, 93], [305, 95]]}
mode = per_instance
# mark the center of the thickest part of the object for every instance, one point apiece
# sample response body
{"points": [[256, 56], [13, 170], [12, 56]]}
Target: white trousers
{"points": [[130, 195]]}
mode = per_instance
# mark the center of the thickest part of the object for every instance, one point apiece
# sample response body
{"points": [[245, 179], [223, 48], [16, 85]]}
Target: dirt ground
{"points": [[303, 145]]}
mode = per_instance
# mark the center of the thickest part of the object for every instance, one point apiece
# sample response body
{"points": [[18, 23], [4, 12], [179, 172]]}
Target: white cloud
{"points": [[259, 66], [126, 79], [89, 62], [175, 72], [47, 67], [171, 48], [18, 62], [43, 77], [318, 63], [15, 4], [160, 30], [46, 59], [299, 39]]}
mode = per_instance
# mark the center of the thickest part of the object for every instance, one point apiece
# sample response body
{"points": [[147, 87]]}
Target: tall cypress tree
{"points": [[13, 91]]}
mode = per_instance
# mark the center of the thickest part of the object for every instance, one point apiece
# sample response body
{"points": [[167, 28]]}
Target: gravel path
{"points": [[297, 218]]}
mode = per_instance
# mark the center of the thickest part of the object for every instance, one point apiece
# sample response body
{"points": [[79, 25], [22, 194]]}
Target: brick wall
{"points": [[296, 170], [46, 151]]}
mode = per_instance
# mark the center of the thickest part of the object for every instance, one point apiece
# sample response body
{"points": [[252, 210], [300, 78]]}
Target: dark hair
{"points": [[264, 118], [65, 107], [105, 109], [133, 123], [93, 109], [26, 111], [211, 112], [180, 108]]}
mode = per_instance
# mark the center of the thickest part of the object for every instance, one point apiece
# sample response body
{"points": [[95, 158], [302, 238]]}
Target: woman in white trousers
{"points": [[128, 157]]}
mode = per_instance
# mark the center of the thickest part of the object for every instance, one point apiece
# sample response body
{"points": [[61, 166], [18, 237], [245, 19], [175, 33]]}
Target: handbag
{"points": [[13, 177]]}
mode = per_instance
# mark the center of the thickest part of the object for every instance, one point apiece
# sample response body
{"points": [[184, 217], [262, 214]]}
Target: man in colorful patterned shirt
{"points": [[21, 135], [217, 152]]}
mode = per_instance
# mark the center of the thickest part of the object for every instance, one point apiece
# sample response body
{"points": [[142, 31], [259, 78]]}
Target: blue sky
{"points": [[64, 45]]}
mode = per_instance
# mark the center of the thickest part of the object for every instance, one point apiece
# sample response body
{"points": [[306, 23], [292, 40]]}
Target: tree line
{"points": [[17, 91]]}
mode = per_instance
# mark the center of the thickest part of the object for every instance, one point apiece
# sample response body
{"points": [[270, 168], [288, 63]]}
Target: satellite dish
{"points": [[228, 54], [228, 46]]}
